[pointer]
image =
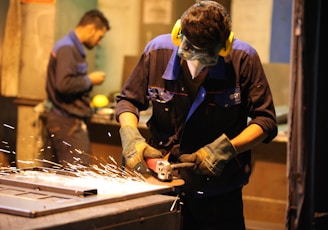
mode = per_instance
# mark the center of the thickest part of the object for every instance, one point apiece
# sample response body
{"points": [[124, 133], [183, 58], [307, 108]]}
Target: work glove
{"points": [[212, 158], [135, 149]]}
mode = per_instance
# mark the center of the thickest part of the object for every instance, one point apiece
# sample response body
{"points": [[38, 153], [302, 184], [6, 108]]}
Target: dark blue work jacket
{"points": [[68, 85]]}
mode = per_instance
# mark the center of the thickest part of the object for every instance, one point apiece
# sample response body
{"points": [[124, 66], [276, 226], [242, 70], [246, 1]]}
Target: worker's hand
{"points": [[97, 77], [135, 149], [212, 158]]}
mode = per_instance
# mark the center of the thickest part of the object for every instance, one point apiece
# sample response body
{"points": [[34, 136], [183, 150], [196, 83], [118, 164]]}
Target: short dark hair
{"points": [[95, 17], [206, 24]]}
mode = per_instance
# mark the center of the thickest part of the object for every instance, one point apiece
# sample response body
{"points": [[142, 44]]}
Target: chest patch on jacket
{"points": [[160, 95], [227, 98]]}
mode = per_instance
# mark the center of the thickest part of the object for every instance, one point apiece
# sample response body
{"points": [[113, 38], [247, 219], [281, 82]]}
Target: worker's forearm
{"points": [[248, 138], [129, 119]]}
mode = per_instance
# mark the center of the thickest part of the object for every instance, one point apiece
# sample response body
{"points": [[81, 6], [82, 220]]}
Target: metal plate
{"points": [[36, 193], [38, 183]]}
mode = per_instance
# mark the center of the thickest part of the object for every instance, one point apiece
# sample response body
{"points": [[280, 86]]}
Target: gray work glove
{"points": [[212, 158], [135, 149]]}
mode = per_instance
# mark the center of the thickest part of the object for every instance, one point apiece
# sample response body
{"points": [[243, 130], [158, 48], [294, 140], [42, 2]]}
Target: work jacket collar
{"points": [[77, 42]]}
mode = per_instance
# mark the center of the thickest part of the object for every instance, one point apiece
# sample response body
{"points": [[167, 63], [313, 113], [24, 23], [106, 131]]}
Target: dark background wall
{"points": [[8, 110], [8, 121], [281, 31]]}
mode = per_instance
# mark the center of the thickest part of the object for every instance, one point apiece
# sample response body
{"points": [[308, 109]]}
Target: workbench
{"points": [[149, 212], [39, 199]]}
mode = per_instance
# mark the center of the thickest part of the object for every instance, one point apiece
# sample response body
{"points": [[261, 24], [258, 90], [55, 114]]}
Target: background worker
{"points": [[211, 103], [68, 86]]}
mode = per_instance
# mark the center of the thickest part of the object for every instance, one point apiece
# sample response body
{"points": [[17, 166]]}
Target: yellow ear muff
{"points": [[176, 31], [228, 45]]}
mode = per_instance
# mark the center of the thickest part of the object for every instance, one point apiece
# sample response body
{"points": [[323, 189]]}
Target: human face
{"points": [[188, 51], [94, 38]]}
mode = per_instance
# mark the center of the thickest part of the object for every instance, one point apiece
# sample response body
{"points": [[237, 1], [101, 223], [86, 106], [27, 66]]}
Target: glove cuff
{"points": [[221, 151], [128, 133], [223, 145]]}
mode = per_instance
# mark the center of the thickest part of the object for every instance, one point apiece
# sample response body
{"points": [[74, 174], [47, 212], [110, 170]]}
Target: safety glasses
{"points": [[188, 51]]}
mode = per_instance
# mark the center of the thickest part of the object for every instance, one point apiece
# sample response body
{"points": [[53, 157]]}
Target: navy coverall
{"points": [[234, 95], [68, 88]]}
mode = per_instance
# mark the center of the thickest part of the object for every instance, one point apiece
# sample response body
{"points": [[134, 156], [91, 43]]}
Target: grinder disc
{"points": [[175, 182]]}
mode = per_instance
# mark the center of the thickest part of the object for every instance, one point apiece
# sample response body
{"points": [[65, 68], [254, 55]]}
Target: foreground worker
{"points": [[211, 103]]}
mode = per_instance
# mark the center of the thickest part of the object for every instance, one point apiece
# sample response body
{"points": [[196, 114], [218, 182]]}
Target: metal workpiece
{"points": [[35, 193], [149, 212]]}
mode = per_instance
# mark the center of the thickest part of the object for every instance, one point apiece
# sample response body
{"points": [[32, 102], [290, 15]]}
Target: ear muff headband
{"points": [[228, 45], [176, 39]]}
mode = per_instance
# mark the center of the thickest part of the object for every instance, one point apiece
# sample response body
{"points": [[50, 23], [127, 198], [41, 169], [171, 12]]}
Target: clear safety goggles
{"points": [[188, 51]]}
